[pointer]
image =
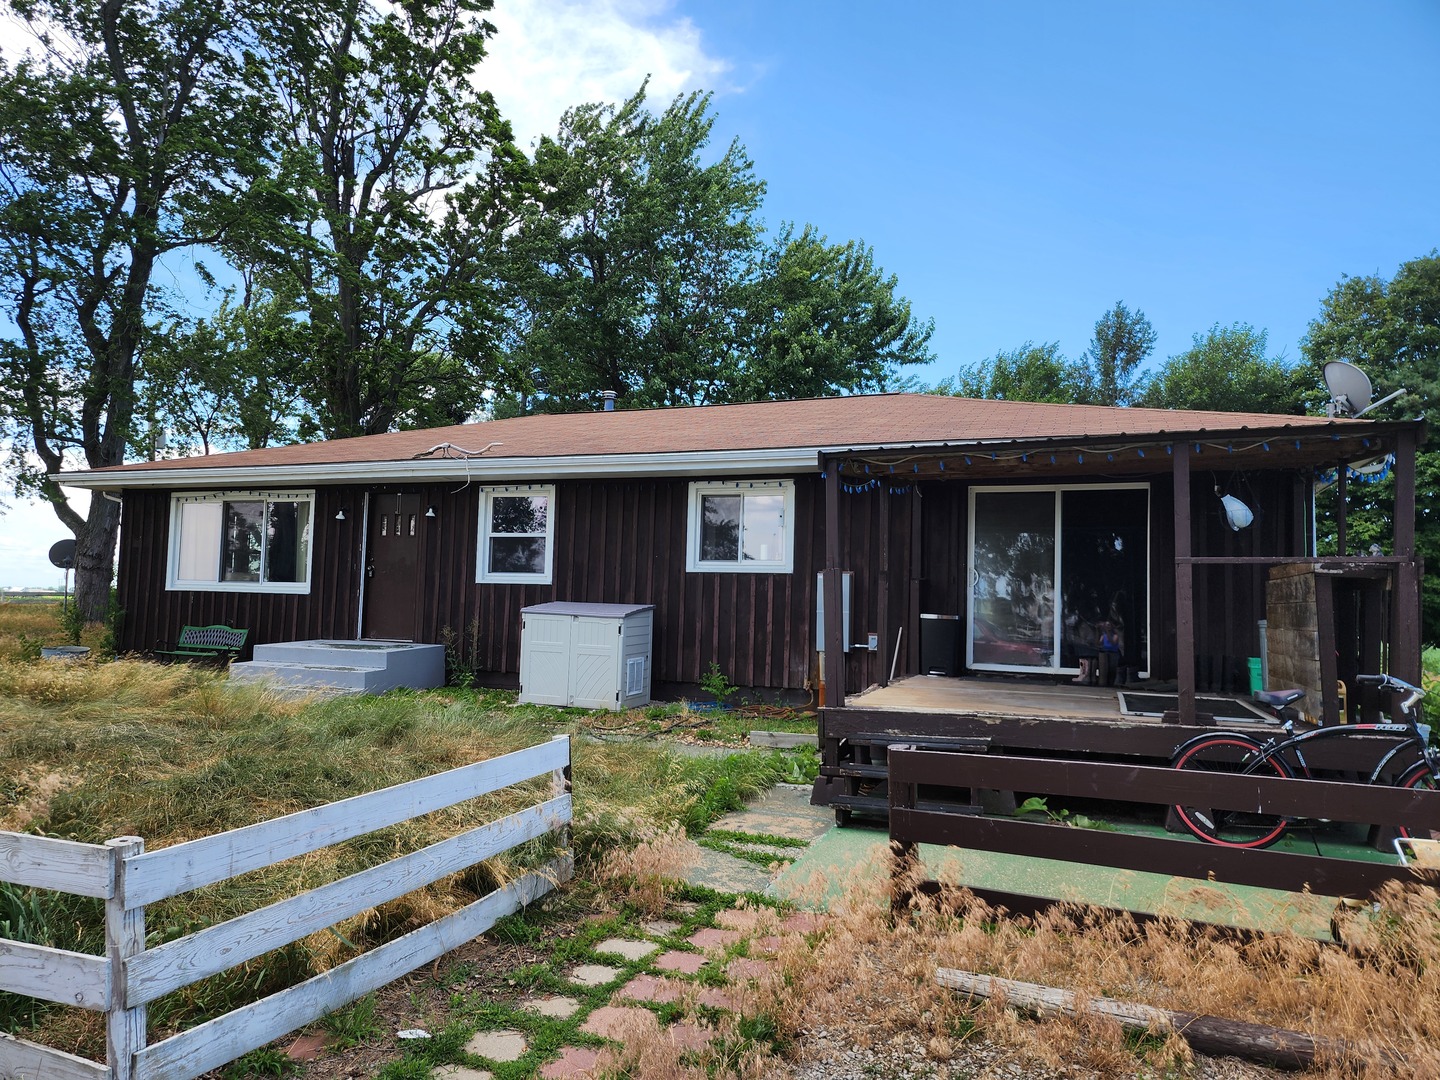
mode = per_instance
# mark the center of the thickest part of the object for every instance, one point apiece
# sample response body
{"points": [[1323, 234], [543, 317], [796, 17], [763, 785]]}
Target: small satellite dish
{"points": [[1349, 387], [62, 554], [1350, 390]]}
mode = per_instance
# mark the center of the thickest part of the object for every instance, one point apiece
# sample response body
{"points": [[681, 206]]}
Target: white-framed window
{"points": [[241, 541], [517, 534], [741, 526]]}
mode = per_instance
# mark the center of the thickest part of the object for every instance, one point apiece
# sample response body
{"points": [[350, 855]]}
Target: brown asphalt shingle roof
{"points": [[838, 423]]}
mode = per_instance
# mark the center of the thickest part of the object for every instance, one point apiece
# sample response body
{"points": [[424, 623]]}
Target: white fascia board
{"points": [[480, 470]]}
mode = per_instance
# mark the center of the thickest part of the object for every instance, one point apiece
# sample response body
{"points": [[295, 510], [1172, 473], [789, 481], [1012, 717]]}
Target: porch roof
{"points": [[755, 437]]}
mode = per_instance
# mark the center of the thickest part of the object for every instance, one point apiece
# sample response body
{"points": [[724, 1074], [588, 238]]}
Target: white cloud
{"points": [[548, 55]]}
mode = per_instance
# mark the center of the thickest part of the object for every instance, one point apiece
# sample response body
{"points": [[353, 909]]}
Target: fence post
{"points": [[124, 937], [905, 864], [560, 784]]}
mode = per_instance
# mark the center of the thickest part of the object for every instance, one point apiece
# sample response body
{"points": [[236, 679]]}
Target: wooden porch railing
{"points": [[915, 822]]}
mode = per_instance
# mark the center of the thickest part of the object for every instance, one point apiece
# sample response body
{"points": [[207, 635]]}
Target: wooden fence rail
{"points": [[936, 821], [120, 872]]}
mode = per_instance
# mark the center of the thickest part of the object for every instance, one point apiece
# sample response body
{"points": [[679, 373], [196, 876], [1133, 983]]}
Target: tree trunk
{"points": [[95, 558]]}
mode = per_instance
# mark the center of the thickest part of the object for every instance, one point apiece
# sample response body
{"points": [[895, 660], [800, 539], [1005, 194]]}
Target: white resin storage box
{"points": [[591, 656]]}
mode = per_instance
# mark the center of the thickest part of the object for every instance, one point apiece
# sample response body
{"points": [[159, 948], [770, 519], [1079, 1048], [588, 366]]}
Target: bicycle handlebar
{"points": [[1390, 682]]}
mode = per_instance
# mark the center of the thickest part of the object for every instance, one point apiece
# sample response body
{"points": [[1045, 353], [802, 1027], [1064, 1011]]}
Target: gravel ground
{"points": [[822, 1054]]}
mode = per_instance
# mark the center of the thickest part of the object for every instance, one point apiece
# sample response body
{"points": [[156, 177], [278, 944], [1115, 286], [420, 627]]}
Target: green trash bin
{"points": [[1255, 684]]}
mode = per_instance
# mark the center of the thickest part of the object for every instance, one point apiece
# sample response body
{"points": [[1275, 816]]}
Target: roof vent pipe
{"points": [[609, 397]]}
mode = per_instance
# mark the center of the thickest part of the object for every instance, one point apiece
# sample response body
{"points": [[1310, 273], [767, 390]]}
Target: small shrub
{"points": [[714, 683]]}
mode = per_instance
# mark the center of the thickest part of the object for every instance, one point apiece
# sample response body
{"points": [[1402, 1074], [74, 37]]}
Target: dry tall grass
{"points": [[873, 979]]}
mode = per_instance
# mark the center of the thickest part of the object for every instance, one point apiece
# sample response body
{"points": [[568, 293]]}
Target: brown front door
{"points": [[393, 567]]}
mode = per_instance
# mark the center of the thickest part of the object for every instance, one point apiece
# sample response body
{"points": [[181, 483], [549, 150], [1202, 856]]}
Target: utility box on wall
{"points": [[591, 656]]}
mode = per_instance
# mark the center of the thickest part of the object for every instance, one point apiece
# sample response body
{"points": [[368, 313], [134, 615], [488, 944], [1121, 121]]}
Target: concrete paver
{"points": [[686, 963], [742, 969], [617, 1021], [555, 1006], [660, 927], [593, 974], [649, 988], [461, 1072], [573, 1061], [497, 1045], [710, 938], [627, 947], [687, 1035]]}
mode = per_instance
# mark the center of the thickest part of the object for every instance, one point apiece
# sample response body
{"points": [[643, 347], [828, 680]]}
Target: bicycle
{"points": [[1238, 753]]}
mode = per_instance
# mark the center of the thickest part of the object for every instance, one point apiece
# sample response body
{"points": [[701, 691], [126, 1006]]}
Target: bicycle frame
{"points": [[1276, 748]]}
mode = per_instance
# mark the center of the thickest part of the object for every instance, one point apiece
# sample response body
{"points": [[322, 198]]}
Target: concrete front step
{"points": [[358, 667]]}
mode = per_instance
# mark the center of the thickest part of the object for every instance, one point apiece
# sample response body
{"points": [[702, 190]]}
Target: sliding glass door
{"points": [[1057, 574]]}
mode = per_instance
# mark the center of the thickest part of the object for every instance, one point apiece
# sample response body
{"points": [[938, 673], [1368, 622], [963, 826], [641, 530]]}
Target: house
{"points": [[1050, 538]]}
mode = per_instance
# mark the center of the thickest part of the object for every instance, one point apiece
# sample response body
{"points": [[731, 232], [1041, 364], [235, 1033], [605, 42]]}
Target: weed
{"points": [[715, 683], [266, 1061], [353, 1026]]}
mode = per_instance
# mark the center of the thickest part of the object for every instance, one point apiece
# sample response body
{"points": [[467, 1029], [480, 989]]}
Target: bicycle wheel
{"points": [[1419, 776], [1229, 753]]}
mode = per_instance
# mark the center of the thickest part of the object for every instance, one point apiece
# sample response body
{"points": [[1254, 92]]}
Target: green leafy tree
{"points": [[630, 269], [824, 319], [126, 134], [399, 177], [1390, 329], [1226, 369], [1123, 339], [1029, 373], [641, 267]]}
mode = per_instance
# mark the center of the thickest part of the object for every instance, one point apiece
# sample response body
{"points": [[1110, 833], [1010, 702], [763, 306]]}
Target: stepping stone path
{"points": [[754, 930]]}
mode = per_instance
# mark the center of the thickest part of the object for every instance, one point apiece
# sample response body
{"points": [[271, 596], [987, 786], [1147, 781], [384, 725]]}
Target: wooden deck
{"points": [[995, 697]]}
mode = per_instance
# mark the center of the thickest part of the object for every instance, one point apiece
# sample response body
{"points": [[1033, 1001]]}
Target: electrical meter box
{"points": [[591, 656]]}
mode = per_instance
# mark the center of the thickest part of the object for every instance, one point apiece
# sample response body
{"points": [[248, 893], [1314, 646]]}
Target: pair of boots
{"points": [[1087, 672]]}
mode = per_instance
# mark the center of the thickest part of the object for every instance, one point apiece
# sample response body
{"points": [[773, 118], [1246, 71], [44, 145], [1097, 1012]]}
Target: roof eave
{"points": [[479, 470]]}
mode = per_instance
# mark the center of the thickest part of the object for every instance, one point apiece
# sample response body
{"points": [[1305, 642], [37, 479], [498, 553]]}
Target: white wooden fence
{"points": [[127, 877]]}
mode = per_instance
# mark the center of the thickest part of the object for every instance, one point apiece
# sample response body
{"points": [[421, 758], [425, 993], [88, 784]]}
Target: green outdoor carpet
{"points": [[842, 854]]}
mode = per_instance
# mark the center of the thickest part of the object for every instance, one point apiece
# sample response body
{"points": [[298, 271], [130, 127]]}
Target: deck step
{"points": [[359, 667]]}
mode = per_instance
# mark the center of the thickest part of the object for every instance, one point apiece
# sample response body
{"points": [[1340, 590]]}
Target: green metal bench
{"points": [[205, 643]]}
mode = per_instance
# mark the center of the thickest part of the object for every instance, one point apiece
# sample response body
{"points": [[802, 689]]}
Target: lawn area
{"points": [[98, 749]]}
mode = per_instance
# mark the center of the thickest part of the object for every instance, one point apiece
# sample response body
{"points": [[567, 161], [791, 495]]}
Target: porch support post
{"points": [[1341, 500], [834, 594], [1184, 589], [882, 603], [1405, 603], [1325, 639]]}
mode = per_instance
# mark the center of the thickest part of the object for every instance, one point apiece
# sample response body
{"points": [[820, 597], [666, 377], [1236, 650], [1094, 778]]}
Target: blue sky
{"points": [[1020, 167]]}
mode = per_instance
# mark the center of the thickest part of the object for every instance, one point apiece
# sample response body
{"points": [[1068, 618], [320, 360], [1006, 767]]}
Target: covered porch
{"points": [[1042, 552]]}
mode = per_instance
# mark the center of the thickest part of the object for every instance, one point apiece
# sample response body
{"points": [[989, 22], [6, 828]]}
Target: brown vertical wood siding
{"points": [[153, 614], [623, 541]]}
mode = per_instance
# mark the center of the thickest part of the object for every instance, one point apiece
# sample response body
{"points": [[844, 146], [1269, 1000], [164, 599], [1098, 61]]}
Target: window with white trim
{"points": [[741, 526], [517, 534], [241, 541]]}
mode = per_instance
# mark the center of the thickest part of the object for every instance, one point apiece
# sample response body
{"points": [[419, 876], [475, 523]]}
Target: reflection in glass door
{"points": [[1012, 569], [1058, 574]]}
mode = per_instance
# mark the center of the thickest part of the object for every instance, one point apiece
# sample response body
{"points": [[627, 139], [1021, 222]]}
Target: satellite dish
{"points": [[1349, 387], [62, 554], [1350, 390]]}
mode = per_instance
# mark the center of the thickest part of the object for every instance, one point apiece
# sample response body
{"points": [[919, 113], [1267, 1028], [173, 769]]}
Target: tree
{"points": [[824, 319], [1224, 370], [125, 135], [630, 269], [399, 178], [1391, 329], [1029, 373], [1122, 342], [641, 267], [228, 380]]}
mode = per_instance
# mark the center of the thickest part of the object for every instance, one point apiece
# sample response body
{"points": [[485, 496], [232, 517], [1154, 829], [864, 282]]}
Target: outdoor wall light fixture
{"points": [[1237, 515], [430, 512], [340, 514]]}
